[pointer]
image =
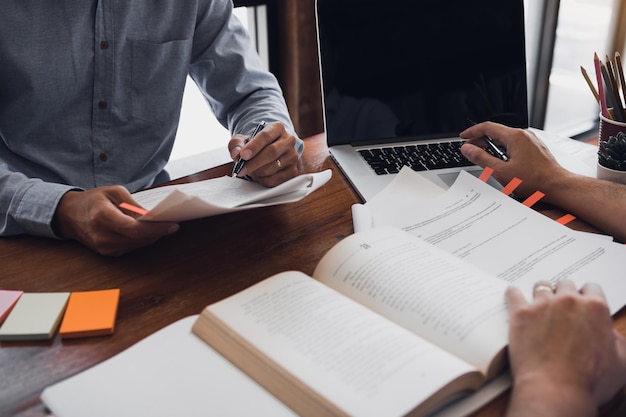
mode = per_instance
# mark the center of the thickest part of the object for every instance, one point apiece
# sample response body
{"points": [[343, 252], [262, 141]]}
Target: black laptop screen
{"points": [[411, 69]]}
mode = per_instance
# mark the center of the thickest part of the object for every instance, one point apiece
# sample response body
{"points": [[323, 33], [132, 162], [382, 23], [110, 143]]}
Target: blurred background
{"points": [[561, 36]]}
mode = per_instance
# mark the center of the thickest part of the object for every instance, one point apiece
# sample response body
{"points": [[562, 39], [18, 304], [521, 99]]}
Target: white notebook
{"points": [[170, 373], [174, 373]]}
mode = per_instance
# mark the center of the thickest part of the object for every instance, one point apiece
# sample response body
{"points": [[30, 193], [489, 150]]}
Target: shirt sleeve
{"points": [[27, 204], [230, 75]]}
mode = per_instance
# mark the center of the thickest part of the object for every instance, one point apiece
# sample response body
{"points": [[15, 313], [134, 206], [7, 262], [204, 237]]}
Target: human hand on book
{"points": [[566, 358]]}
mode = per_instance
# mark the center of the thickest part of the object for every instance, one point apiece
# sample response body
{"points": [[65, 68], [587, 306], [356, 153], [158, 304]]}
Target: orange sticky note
{"points": [[532, 199], [8, 298], [134, 209], [511, 186], [90, 313], [565, 219], [487, 172]]}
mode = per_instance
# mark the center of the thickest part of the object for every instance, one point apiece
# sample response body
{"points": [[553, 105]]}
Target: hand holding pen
{"points": [[495, 148], [269, 156], [241, 162]]}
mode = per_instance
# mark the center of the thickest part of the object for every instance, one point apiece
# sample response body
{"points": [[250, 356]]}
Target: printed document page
{"points": [[496, 233]]}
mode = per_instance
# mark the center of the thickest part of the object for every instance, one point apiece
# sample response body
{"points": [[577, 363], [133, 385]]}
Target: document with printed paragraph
{"points": [[484, 227]]}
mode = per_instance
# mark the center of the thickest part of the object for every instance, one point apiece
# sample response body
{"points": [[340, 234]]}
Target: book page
{"points": [[361, 363], [498, 234], [423, 289], [181, 202]]}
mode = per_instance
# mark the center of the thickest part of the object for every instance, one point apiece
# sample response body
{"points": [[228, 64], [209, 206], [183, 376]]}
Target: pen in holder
{"points": [[612, 150]]}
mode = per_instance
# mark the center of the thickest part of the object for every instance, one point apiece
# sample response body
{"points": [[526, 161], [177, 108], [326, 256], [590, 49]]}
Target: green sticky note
{"points": [[35, 316]]}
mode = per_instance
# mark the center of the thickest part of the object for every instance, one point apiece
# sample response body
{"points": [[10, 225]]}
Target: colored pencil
{"points": [[590, 84], [603, 106], [612, 70], [620, 74], [612, 94]]}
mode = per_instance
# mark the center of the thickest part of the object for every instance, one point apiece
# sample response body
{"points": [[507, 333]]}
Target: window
{"points": [[562, 102]]}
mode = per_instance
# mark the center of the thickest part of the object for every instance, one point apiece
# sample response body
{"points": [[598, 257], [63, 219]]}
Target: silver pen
{"points": [[496, 148], [241, 162], [492, 145]]}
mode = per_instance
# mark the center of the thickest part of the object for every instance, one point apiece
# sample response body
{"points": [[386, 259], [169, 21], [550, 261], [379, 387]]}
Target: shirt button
{"points": [[103, 157], [102, 104], [104, 45]]}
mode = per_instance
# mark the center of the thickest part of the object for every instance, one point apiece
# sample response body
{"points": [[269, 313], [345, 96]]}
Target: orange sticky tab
{"points": [[134, 209], [90, 313], [511, 186], [531, 200], [565, 219], [487, 172]]}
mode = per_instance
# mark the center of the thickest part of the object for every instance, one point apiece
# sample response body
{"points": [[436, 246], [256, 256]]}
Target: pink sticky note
{"points": [[8, 298]]}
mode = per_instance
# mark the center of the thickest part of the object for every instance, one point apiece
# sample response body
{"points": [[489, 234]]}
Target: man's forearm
{"points": [[598, 202]]}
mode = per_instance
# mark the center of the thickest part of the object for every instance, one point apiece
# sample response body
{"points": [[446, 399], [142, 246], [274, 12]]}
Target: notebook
{"points": [[397, 74]]}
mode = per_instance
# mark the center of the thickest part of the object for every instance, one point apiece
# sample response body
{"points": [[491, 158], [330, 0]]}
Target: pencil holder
{"points": [[610, 127], [612, 151], [611, 174]]}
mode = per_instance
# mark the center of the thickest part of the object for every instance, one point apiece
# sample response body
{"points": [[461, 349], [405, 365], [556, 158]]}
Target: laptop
{"points": [[401, 78]]}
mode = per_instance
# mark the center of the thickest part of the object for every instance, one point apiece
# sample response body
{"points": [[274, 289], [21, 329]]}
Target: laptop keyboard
{"points": [[418, 157]]}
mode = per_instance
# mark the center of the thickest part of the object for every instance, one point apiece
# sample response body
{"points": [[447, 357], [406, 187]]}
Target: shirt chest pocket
{"points": [[158, 78]]}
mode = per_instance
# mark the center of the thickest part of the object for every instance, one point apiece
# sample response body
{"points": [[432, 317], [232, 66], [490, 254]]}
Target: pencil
{"points": [[590, 84], [620, 74], [601, 95], [618, 110], [611, 69]]}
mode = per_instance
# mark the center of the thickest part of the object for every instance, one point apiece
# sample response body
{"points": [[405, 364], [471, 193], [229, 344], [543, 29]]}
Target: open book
{"points": [[399, 322], [222, 195], [389, 326]]}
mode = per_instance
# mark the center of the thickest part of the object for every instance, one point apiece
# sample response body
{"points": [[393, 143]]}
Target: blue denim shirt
{"points": [[91, 91]]}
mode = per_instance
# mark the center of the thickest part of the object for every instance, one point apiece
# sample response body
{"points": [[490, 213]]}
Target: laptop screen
{"points": [[397, 70]]}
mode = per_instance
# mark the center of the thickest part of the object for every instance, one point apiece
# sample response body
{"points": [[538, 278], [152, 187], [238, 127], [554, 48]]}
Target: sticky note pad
{"points": [[90, 313], [8, 298], [35, 316]]}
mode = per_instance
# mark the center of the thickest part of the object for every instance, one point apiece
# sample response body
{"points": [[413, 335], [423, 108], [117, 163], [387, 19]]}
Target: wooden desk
{"points": [[205, 261]]}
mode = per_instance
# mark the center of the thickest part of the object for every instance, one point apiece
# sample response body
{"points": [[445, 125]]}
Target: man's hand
{"points": [[271, 158], [565, 356], [94, 219], [529, 159]]}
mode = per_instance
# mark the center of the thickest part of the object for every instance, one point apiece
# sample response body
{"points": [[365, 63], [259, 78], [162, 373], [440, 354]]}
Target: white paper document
{"points": [[222, 195], [484, 227]]}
